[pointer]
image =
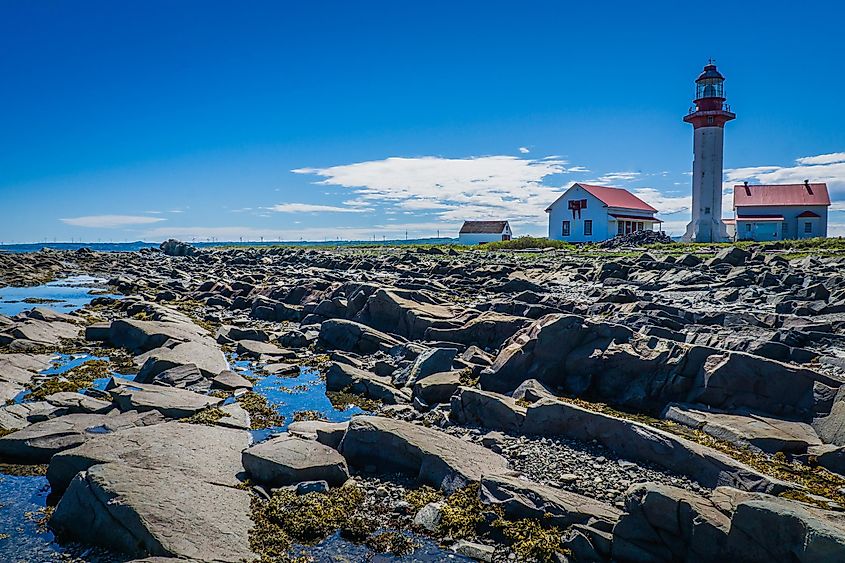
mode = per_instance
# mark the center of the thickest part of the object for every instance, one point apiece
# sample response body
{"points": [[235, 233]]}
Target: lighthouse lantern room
{"points": [[708, 119]]}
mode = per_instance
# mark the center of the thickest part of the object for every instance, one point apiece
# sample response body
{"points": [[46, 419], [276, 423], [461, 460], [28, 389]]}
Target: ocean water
{"points": [[138, 245], [64, 296]]}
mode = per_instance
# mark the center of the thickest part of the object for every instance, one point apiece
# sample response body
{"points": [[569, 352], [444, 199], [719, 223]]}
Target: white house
{"points": [[480, 232], [778, 212], [586, 213]]}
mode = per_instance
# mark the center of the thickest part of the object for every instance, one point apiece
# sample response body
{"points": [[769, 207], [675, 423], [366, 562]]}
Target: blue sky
{"points": [[145, 120]]}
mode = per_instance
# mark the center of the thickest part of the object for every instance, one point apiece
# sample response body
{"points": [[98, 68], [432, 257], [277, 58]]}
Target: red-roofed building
{"points": [[588, 213], [782, 211]]}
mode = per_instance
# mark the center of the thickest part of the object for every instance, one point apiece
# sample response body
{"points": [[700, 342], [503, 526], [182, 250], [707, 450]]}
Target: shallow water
{"points": [[65, 295], [22, 499]]}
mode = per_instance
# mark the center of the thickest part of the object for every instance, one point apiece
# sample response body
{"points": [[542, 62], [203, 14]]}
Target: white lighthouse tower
{"points": [[708, 119]]}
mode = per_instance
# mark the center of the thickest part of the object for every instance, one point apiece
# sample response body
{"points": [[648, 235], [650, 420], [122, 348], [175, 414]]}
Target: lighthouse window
{"points": [[710, 120], [707, 211]]}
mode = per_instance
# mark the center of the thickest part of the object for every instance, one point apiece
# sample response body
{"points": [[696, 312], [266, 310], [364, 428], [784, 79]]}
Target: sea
{"points": [[138, 245]]}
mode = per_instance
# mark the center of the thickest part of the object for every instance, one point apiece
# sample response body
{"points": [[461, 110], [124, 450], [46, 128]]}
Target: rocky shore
{"points": [[558, 406]]}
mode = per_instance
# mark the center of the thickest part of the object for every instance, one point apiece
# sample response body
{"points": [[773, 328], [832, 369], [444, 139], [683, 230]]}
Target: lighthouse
{"points": [[708, 119]]}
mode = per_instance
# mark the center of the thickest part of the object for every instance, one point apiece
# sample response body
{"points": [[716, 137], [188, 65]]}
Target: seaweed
{"points": [[261, 413], [80, 377], [422, 496], [392, 542], [530, 540]]}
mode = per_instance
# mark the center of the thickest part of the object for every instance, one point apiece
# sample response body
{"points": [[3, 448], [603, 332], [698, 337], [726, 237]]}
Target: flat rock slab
{"points": [[327, 433], [229, 381], [255, 349], [210, 453], [38, 442], [208, 359], [765, 433], [437, 387], [141, 336], [172, 402], [77, 403], [288, 460], [524, 499], [155, 512], [339, 334], [431, 456], [20, 415]]}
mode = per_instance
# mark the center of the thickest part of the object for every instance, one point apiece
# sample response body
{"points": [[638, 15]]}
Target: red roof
{"points": [[617, 197], [782, 194]]}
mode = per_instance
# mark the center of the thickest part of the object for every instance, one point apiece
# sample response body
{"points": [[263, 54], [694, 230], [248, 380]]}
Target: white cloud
{"points": [[455, 188], [110, 221], [524, 150], [612, 177], [311, 208], [830, 158]]}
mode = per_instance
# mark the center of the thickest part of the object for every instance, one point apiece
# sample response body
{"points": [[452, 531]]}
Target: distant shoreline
{"points": [[138, 245]]}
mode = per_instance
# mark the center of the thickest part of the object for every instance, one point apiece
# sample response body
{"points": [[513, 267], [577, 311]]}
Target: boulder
{"points": [[520, 498], [183, 376], [142, 336], [210, 453], [228, 380], [262, 350], [39, 442], [429, 455], [349, 336], [437, 387], [775, 529], [327, 433], [488, 330], [77, 403], [207, 358], [288, 460], [171, 402], [405, 312], [173, 247], [663, 523], [433, 360], [747, 429], [155, 512], [342, 377]]}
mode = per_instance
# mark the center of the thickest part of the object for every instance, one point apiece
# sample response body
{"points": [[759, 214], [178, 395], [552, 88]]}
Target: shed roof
{"points": [[483, 227], [781, 194], [612, 197]]}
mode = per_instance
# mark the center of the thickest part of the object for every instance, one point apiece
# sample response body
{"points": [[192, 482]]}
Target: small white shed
{"points": [[480, 232]]}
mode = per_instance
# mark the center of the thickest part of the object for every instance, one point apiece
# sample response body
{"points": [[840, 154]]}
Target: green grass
{"points": [[527, 243]]}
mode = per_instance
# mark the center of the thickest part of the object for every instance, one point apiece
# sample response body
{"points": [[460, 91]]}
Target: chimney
{"points": [[747, 189], [809, 188]]}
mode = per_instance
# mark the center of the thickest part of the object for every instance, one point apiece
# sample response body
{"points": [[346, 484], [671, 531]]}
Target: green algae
{"points": [[422, 496], [530, 540], [307, 519], [208, 417], [262, 414], [80, 377], [342, 400], [392, 542], [300, 416]]}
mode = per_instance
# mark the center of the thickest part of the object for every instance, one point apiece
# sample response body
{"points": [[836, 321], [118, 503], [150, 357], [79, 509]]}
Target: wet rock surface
{"points": [[629, 405]]}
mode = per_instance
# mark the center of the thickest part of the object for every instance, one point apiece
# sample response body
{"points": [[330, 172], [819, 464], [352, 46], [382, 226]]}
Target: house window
{"points": [[565, 229], [639, 226], [620, 227], [588, 228], [748, 227], [784, 229], [808, 227], [583, 204]]}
